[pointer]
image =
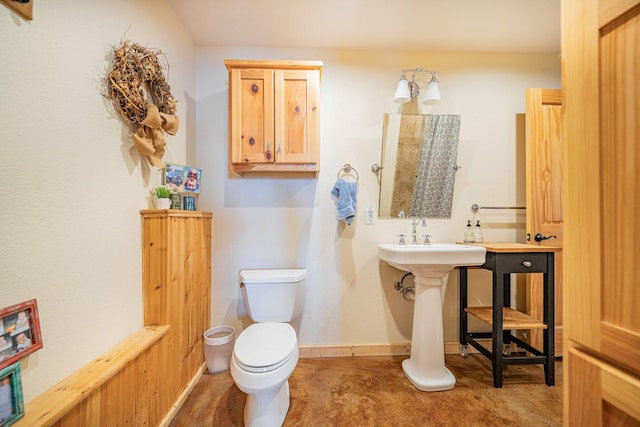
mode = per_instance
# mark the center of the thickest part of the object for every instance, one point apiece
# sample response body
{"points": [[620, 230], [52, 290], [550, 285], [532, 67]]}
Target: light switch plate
{"points": [[370, 215]]}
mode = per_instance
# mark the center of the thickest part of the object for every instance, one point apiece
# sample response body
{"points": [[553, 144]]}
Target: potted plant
{"points": [[162, 195]]}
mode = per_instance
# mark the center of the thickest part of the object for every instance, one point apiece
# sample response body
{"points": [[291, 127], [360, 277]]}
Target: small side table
{"points": [[503, 259]]}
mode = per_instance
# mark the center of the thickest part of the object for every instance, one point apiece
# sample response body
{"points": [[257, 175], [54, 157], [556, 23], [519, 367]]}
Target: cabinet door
{"points": [[297, 123], [251, 116]]}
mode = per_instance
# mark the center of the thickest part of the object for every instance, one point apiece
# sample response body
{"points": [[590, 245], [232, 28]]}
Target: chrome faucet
{"points": [[414, 225]]}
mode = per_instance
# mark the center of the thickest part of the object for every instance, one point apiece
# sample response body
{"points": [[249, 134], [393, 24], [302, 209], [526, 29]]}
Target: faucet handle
{"points": [[426, 239], [401, 241]]}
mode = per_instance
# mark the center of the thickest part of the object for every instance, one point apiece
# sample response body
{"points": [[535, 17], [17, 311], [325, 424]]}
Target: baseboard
{"points": [[363, 350], [183, 397]]}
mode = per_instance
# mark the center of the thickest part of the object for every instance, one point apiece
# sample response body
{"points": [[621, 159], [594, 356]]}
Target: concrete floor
{"points": [[373, 391]]}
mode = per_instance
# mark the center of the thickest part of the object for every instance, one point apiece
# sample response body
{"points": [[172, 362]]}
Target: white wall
{"points": [[72, 186], [292, 222]]}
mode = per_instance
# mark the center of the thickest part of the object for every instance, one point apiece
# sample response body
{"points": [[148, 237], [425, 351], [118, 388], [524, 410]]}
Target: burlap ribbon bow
{"points": [[149, 138]]}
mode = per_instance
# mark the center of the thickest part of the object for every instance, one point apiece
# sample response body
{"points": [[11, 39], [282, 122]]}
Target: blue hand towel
{"points": [[345, 193]]}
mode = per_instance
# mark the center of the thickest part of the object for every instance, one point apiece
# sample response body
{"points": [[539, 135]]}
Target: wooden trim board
{"points": [[25, 10], [402, 349]]}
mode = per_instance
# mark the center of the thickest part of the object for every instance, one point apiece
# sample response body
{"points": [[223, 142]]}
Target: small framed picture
{"points": [[176, 201], [11, 399], [189, 203], [19, 332], [192, 178], [174, 177]]}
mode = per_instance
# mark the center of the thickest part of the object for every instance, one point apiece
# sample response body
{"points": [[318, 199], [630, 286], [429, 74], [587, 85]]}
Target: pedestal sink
{"points": [[429, 264]]}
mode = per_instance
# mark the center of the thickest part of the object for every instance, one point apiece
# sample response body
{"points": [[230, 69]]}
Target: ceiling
{"points": [[433, 25]]}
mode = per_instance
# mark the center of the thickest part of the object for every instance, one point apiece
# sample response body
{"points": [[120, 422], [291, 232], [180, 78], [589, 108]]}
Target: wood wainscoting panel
{"points": [[176, 289], [118, 388]]}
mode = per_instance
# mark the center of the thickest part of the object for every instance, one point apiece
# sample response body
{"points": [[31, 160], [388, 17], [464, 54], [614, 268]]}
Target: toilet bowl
{"points": [[264, 357], [266, 353]]}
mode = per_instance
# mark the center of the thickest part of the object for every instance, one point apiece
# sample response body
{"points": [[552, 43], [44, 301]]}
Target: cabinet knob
{"points": [[526, 263], [254, 88]]}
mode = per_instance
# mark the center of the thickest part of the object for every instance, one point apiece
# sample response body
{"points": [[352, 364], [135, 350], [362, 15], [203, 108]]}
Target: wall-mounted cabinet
{"points": [[274, 117]]}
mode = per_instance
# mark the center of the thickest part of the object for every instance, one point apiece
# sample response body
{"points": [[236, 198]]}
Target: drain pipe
{"points": [[408, 293]]}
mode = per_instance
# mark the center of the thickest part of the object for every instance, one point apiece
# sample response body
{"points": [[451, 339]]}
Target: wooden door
{"points": [[601, 129], [251, 122], [544, 196], [297, 121]]}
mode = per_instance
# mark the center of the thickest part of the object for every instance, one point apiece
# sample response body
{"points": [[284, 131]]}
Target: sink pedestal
{"points": [[425, 368], [429, 265]]}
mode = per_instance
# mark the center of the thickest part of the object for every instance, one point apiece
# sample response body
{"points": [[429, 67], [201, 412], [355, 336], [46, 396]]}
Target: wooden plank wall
{"points": [[176, 283], [145, 378]]}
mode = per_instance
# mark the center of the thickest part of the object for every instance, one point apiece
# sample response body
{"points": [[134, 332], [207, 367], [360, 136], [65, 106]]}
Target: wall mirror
{"points": [[419, 164]]}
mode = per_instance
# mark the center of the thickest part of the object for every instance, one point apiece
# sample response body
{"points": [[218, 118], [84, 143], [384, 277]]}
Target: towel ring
{"points": [[347, 169]]}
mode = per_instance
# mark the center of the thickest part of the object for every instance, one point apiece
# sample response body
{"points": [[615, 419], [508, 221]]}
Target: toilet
{"points": [[266, 353]]}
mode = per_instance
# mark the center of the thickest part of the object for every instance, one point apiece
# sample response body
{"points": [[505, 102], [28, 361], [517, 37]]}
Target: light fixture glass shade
{"points": [[403, 94], [432, 95]]}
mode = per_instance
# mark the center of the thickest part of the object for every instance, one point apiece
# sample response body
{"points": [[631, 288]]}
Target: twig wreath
{"points": [[141, 94]]}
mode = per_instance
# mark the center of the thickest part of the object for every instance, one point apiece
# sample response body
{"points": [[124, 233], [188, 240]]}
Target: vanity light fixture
{"points": [[410, 90], [433, 91], [403, 92]]}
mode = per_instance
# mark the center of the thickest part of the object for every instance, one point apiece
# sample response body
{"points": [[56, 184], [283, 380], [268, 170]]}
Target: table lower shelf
{"points": [[512, 319]]}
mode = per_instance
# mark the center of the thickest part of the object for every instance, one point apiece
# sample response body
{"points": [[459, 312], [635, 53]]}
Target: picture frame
{"points": [[192, 177], [11, 398], [182, 178], [189, 203], [173, 177], [20, 333], [176, 201]]}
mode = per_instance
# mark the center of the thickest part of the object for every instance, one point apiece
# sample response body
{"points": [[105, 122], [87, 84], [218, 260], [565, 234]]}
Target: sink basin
{"points": [[429, 264], [447, 255]]}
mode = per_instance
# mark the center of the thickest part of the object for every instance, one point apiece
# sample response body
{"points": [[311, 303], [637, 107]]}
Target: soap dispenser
{"points": [[477, 235], [468, 233]]}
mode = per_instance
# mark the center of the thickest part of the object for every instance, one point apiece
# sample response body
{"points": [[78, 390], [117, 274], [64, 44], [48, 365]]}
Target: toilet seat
{"points": [[264, 347]]}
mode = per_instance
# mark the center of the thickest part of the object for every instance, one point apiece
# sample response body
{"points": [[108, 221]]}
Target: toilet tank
{"points": [[273, 295]]}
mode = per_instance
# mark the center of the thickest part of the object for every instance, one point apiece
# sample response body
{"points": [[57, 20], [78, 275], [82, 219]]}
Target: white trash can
{"points": [[218, 346]]}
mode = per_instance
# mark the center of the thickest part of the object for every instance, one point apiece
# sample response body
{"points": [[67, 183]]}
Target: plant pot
{"points": [[163, 203]]}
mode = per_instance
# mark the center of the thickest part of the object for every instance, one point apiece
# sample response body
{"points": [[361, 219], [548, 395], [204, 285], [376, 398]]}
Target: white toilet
{"points": [[266, 353]]}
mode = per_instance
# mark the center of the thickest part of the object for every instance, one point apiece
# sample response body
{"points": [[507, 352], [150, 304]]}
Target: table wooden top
{"points": [[150, 213], [507, 247]]}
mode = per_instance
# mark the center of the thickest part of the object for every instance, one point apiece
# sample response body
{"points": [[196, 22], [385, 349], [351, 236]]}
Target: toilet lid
{"points": [[265, 346]]}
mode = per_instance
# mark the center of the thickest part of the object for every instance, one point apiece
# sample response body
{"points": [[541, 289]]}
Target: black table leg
{"points": [[463, 304], [549, 320], [507, 303], [497, 333]]}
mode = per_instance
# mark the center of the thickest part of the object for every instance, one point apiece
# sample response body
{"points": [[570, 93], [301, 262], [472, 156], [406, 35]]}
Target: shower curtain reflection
{"points": [[435, 178]]}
